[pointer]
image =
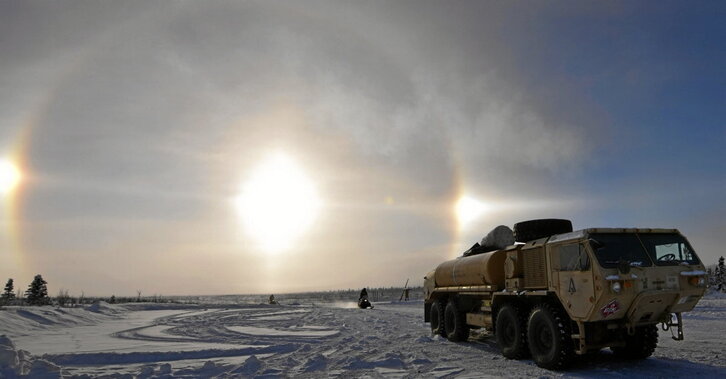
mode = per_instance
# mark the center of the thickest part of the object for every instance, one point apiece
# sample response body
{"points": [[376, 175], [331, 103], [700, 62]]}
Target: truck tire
{"points": [[455, 323], [437, 318], [549, 338], [511, 332], [640, 345], [535, 229]]}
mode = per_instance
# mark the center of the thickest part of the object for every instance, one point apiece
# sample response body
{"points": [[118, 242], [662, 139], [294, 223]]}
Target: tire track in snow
{"points": [[145, 357]]}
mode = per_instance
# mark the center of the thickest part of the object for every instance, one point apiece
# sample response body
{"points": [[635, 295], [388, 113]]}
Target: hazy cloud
{"points": [[148, 116]]}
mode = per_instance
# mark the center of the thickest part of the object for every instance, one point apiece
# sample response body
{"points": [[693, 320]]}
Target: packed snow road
{"points": [[308, 341]]}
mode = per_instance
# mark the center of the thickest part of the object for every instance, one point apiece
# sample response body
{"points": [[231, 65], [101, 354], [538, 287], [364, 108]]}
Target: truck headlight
{"points": [[616, 287], [697, 281]]}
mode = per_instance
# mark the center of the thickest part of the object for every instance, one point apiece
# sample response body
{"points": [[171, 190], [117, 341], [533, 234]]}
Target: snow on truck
{"points": [[555, 293]]}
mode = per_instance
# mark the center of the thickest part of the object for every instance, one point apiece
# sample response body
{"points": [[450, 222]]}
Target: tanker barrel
{"points": [[482, 264], [480, 269]]}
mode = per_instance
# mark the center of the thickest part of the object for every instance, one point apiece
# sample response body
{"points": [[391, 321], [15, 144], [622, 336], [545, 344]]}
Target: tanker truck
{"points": [[555, 293]]}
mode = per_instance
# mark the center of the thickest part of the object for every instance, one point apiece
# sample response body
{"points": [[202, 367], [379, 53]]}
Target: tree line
{"points": [[37, 294]]}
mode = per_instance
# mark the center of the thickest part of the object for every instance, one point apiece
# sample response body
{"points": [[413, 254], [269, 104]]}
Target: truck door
{"points": [[574, 278]]}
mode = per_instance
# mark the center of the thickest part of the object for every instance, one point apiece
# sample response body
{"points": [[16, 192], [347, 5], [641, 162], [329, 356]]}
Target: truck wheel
{"points": [[535, 229], [437, 318], [549, 339], [511, 332], [640, 345], [455, 323]]}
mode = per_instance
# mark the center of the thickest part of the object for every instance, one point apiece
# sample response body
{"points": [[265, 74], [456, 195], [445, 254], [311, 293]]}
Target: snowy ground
{"points": [[335, 339]]}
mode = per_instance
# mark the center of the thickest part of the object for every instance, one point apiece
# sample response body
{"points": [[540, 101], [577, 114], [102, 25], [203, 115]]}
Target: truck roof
{"points": [[578, 234]]}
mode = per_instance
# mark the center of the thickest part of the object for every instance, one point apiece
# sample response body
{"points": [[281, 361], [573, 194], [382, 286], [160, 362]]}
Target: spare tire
{"points": [[535, 229]]}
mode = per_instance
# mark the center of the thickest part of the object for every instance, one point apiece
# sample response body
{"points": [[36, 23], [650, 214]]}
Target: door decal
{"points": [[612, 307]]}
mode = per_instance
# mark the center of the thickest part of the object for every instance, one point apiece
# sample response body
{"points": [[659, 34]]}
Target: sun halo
{"points": [[9, 176]]}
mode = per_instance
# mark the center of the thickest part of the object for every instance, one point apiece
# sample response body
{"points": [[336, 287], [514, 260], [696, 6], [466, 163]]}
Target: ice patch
{"points": [[289, 332]]}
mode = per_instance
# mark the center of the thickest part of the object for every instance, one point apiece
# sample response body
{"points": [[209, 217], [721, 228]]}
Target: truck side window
{"points": [[572, 258]]}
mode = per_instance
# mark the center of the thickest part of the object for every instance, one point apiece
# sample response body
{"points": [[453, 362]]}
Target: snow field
{"points": [[307, 341]]}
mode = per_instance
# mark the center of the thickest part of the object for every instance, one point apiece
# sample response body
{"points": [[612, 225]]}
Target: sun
{"points": [[469, 209], [9, 176], [278, 203]]}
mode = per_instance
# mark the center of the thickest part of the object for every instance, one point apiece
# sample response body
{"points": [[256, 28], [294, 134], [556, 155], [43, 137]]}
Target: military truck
{"points": [[555, 293]]}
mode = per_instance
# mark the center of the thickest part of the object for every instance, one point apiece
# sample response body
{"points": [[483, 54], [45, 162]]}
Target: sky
{"points": [[227, 147]]}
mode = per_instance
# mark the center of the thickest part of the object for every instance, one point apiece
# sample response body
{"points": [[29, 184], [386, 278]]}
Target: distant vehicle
{"points": [[363, 302], [558, 293]]}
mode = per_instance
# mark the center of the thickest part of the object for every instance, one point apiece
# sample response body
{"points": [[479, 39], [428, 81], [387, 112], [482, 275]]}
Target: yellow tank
{"points": [[476, 270]]}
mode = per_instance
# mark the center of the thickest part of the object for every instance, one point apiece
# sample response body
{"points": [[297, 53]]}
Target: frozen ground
{"points": [[334, 339]]}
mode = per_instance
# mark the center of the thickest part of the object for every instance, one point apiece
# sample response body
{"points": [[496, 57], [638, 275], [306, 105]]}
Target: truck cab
{"points": [[608, 279]]}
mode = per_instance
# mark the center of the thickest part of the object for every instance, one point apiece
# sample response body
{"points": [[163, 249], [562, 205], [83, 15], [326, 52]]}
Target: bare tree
{"points": [[63, 298], [721, 275]]}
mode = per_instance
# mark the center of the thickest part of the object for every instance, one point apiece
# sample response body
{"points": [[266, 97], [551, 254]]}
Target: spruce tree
{"points": [[9, 294], [37, 293]]}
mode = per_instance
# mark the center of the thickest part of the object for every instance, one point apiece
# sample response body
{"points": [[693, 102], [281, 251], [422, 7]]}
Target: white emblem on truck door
{"points": [[672, 282]]}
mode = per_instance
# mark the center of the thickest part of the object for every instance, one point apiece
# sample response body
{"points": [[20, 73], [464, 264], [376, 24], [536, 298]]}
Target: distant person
{"points": [[272, 300], [363, 294], [405, 294]]}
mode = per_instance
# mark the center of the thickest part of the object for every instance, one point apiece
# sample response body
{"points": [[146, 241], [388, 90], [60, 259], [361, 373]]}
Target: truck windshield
{"points": [[611, 248], [668, 249]]}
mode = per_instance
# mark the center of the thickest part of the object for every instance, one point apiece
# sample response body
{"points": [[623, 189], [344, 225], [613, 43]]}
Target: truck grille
{"points": [[534, 268]]}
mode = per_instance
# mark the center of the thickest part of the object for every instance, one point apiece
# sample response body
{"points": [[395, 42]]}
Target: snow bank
{"points": [[105, 308], [19, 363], [28, 319]]}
